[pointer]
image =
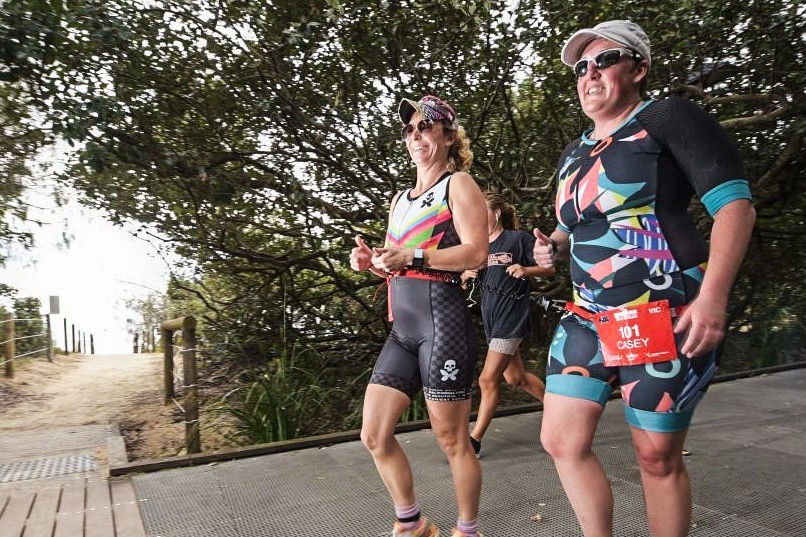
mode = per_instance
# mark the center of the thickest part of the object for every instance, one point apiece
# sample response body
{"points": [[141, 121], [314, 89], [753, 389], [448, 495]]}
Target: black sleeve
{"points": [[698, 143]]}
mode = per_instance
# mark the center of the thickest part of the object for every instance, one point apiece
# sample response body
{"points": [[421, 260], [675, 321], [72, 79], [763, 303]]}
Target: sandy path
{"points": [[82, 390]]}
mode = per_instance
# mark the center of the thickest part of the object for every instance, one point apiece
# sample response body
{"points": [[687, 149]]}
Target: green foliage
{"points": [[21, 134], [281, 404], [29, 328], [416, 411], [150, 311]]}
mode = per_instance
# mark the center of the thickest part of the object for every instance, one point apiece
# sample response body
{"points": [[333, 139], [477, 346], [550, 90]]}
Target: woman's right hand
{"points": [[544, 252], [361, 255], [469, 275]]}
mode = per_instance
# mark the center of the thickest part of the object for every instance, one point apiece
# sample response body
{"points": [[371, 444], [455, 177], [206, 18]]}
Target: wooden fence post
{"points": [[192, 435], [168, 364], [50, 340], [9, 346], [190, 400]]}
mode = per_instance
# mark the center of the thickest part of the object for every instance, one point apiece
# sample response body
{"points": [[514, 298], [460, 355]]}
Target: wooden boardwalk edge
{"points": [[90, 507]]}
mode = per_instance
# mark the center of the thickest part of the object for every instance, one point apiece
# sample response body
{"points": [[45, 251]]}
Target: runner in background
{"points": [[505, 309]]}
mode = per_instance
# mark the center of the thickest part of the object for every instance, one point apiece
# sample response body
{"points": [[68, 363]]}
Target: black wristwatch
{"points": [[417, 262]]}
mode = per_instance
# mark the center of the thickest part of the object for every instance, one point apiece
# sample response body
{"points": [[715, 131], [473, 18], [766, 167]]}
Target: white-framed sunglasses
{"points": [[603, 60]]}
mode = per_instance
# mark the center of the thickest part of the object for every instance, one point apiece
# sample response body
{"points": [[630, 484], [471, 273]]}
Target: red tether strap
{"points": [[589, 315]]}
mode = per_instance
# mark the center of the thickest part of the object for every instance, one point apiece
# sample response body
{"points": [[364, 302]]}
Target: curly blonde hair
{"points": [[460, 157]]}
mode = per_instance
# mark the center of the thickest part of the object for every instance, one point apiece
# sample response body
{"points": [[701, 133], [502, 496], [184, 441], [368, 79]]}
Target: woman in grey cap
{"points": [[647, 317], [436, 230]]}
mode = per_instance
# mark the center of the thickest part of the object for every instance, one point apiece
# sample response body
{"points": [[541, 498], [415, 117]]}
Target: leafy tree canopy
{"points": [[256, 139]]}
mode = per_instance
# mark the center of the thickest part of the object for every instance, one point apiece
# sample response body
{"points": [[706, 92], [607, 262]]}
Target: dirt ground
{"points": [[121, 389]]}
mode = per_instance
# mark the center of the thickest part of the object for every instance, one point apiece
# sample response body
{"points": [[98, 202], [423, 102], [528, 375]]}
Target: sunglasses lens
{"points": [[423, 125], [603, 60], [608, 58]]}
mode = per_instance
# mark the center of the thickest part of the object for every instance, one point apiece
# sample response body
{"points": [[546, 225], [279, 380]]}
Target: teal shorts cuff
{"points": [[580, 387], [659, 422]]}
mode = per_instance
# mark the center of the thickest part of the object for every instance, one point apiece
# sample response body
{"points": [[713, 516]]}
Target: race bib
{"points": [[636, 335]]}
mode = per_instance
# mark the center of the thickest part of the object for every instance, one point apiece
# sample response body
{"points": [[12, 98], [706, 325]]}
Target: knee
{"points": [[561, 445], [516, 380], [488, 382], [450, 444], [375, 442], [552, 443], [658, 463]]}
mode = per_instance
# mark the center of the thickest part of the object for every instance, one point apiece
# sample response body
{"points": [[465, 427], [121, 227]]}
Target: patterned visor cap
{"points": [[430, 107]]}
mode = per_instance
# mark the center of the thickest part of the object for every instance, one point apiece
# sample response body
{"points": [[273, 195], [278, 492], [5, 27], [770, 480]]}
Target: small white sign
{"points": [[54, 305]]}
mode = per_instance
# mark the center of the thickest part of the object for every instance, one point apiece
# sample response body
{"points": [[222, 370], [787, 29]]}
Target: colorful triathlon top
{"points": [[425, 221], [624, 199]]}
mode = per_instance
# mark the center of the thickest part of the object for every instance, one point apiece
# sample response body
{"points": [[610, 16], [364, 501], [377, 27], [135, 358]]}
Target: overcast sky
{"points": [[102, 267]]}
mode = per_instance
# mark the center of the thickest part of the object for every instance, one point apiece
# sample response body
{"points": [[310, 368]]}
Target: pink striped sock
{"points": [[469, 528], [408, 516]]}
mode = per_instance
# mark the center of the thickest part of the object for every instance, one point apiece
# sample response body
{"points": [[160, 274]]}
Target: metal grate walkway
{"points": [[44, 468], [748, 471]]}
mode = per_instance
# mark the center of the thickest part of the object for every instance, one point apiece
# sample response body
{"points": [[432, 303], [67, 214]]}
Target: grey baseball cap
{"points": [[623, 32]]}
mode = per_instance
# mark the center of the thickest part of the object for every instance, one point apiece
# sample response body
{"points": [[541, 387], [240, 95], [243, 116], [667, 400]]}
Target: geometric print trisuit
{"points": [[624, 201]]}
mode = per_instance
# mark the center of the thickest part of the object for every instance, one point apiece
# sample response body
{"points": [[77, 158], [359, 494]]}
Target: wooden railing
{"points": [[9, 339]]}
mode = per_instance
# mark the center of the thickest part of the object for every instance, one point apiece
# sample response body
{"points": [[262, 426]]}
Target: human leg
{"points": [[449, 423], [577, 389], [383, 407], [660, 399], [516, 375], [489, 381], [667, 489], [447, 364], [567, 434]]}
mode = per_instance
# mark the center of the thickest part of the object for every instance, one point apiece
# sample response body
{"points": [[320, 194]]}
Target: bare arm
{"points": [[536, 271], [705, 319], [470, 219]]}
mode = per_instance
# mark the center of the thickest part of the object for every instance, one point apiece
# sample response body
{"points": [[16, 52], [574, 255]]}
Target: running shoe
{"points": [[476, 445], [426, 529]]}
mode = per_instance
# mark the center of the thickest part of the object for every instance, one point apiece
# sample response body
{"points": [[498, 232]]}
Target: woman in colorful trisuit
{"points": [[650, 293], [435, 231]]}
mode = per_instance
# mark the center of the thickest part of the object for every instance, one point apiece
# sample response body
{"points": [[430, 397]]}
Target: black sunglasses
{"points": [[603, 60], [424, 125]]}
